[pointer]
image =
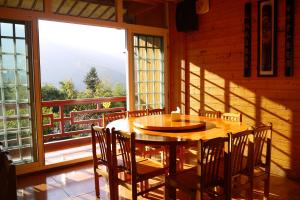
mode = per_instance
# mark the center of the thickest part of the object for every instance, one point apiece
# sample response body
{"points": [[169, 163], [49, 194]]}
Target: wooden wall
{"points": [[211, 61]]}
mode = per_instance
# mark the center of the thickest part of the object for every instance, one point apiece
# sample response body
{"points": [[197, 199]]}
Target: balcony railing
{"points": [[66, 123]]}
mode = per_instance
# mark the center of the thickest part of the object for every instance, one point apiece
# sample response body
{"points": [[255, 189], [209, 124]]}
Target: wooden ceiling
{"points": [[37, 5], [96, 9]]}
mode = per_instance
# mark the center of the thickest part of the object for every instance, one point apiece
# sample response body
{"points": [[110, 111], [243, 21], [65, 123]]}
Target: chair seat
{"points": [[147, 168], [186, 180], [259, 172]]}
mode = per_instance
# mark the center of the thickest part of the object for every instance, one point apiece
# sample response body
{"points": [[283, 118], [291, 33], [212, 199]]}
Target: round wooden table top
{"points": [[165, 123], [214, 127]]}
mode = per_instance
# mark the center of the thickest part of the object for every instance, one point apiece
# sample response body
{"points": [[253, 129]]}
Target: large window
{"points": [[149, 71], [15, 110]]}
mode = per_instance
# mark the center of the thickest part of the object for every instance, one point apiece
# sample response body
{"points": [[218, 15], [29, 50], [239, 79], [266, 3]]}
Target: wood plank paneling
{"points": [[216, 50]]}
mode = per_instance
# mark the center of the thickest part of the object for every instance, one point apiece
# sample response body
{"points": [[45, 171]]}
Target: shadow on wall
{"points": [[214, 77]]}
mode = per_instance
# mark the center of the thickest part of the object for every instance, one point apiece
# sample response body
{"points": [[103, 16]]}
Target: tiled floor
{"points": [[77, 182], [68, 154]]}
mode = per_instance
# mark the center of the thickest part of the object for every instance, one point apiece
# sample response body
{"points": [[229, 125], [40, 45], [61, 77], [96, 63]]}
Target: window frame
{"points": [[30, 78], [131, 68]]}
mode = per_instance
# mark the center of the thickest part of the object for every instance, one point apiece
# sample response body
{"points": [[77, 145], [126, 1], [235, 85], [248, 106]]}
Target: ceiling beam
{"points": [[102, 2]]}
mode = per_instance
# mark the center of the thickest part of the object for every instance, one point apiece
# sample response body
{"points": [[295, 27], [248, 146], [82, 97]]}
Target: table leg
{"points": [[171, 191]]}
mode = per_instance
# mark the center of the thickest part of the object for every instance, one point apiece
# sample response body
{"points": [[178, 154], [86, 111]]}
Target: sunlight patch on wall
{"points": [[281, 118], [242, 100], [194, 88], [214, 92], [182, 86]]}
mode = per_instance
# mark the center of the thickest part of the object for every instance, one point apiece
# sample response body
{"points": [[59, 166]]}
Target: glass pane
{"points": [[6, 29], [142, 41], [150, 87], [20, 46], [25, 123], [157, 42], [135, 41], [21, 62], [10, 93], [7, 45], [150, 76], [8, 61], [12, 124], [23, 92], [22, 77], [24, 109], [20, 30], [150, 54], [8, 77], [10, 110], [149, 41]]}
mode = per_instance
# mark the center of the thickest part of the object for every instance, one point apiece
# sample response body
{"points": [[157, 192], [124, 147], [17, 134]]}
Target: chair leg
{"points": [[251, 187], [97, 189], [134, 191], [267, 187]]}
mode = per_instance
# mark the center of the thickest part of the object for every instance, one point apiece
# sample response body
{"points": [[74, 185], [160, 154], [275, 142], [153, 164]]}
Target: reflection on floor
{"points": [[76, 182], [68, 154]]}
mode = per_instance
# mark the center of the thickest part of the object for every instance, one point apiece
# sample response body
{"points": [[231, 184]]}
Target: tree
{"points": [[50, 92], [68, 89], [119, 90], [103, 89], [92, 80]]}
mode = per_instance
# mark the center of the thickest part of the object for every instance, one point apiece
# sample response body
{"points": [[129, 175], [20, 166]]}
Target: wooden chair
{"points": [[154, 150], [235, 117], [192, 150], [8, 188], [142, 150], [241, 153], [211, 178], [262, 136], [102, 158], [109, 117], [137, 113], [209, 113], [139, 171], [156, 111]]}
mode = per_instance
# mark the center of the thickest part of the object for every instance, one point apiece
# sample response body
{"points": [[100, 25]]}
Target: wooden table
{"points": [[213, 128]]}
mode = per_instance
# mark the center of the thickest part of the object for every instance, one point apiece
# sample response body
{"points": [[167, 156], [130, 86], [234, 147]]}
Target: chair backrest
{"points": [[262, 136], [156, 111], [8, 188], [102, 137], [209, 113], [109, 117], [234, 117], [213, 153], [127, 149], [137, 113], [241, 152]]}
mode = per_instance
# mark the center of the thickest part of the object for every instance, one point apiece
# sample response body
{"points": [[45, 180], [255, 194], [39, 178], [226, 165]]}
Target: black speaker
{"points": [[186, 16]]}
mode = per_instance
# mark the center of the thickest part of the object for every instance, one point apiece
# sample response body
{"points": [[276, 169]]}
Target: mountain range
{"points": [[63, 62]]}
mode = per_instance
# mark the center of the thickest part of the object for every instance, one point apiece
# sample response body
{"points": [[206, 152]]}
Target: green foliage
{"points": [[119, 90], [92, 80], [50, 92], [103, 90], [95, 88], [67, 89]]}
